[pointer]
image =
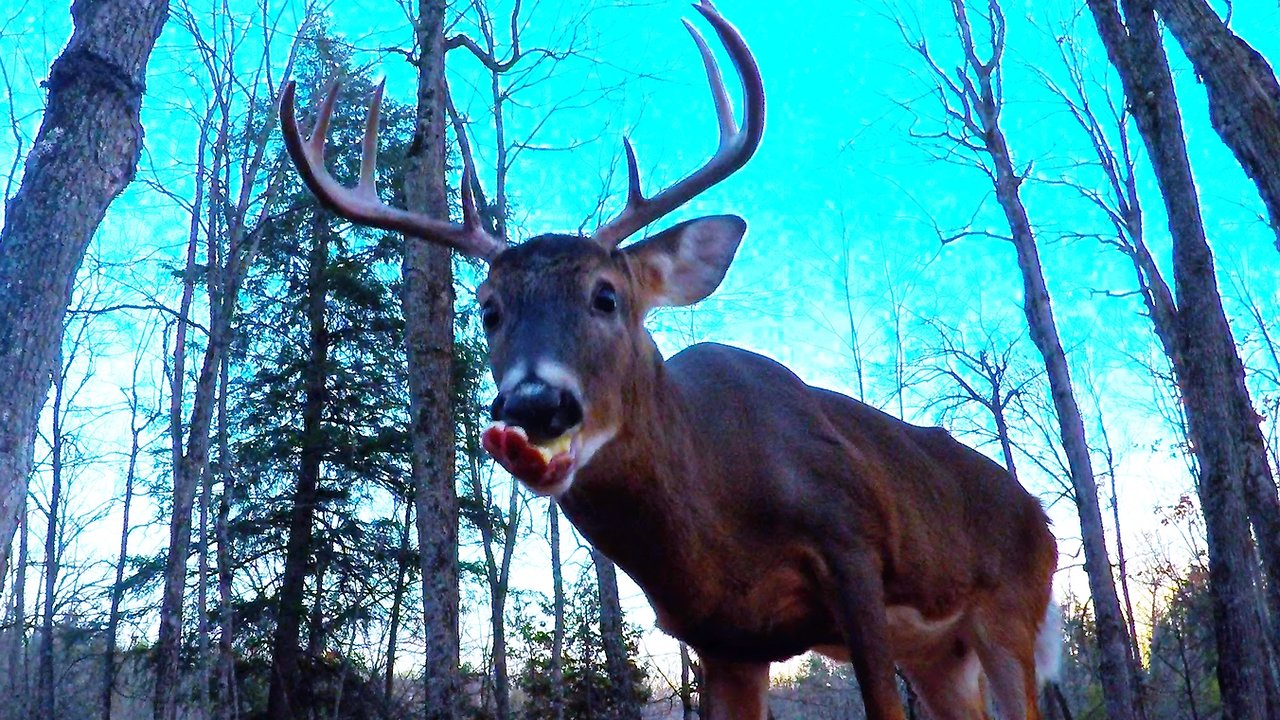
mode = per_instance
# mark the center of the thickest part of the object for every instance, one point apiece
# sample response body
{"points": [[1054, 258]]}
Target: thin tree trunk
{"points": [[428, 310], [117, 587], [1206, 364], [202, 595], [1122, 567], [170, 632], [228, 700], [84, 154], [19, 689], [1244, 96], [48, 698], [622, 701], [557, 608], [287, 697], [686, 688], [241, 247], [397, 601]]}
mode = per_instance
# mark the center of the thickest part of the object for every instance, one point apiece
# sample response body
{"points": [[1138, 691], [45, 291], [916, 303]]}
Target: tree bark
{"points": [[287, 697], [428, 311], [622, 701], [85, 153], [1211, 376], [1244, 96]]}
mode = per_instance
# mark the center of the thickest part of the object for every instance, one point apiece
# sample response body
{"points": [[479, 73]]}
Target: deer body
{"points": [[761, 516], [732, 534]]}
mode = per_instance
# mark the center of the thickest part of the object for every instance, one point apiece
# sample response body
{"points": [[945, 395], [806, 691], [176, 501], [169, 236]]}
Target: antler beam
{"points": [[736, 145], [361, 204]]}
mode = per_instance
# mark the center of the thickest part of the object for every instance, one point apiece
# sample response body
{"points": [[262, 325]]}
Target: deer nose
{"points": [[545, 412]]}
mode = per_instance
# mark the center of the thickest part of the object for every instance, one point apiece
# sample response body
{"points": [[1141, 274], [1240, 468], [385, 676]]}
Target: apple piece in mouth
{"points": [[540, 467], [556, 446]]}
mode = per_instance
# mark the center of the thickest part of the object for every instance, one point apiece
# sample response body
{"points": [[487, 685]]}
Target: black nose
{"points": [[545, 412]]}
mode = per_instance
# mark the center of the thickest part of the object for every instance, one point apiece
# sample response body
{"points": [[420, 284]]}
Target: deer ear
{"points": [[684, 264]]}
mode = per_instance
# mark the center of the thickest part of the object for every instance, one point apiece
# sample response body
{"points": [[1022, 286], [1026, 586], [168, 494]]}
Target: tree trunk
{"points": [[287, 697], [557, 608], [19, 689], [686, 687], [397, 601], [622, 701], [1113, 642], [1244, 97], [428, 311], [117, 587], [184, 482], [228, 707], [48, 697], [1210, 377], [1119, 696], [84, 154]]}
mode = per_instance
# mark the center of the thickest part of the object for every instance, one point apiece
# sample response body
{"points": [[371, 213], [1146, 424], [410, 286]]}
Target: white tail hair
{"points": [[1049, 645]]}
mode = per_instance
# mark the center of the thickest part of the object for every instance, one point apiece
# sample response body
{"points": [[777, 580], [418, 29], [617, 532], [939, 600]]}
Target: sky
{"points": [[841, 202]]}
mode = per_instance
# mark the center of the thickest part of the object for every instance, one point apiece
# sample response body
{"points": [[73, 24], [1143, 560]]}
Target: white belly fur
{"points": [[909, 632]]}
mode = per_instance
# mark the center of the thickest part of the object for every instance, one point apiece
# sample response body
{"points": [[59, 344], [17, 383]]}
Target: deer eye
{"points": [[605, 299], [489, 315]]}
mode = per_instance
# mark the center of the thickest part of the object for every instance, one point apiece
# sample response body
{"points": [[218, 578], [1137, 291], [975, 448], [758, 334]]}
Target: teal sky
{"points": [[837, 176]]}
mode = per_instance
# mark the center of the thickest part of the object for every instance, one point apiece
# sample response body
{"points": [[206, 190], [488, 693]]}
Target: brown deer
{"points": [[762, 517]]}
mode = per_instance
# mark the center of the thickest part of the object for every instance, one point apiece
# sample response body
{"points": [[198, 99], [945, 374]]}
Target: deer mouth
{"points": [[541, 467]]}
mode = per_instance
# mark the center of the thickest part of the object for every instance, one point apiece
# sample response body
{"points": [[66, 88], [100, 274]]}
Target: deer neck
{"points": [[634, 501]]}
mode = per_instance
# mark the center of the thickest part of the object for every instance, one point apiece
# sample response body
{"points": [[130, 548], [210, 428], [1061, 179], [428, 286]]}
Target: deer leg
{"points": [[1007, 651], [951, 686], [861, 606], [735, 690]]}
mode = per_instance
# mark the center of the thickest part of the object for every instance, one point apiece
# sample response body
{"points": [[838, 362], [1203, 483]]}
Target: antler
{"points": [[736, 145], [361, 204]]}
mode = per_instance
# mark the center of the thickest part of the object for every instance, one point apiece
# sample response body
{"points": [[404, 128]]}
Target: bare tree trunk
{"points": [[980, 120], [167, 646], [117, 587], [84, 154], [1244, 97], [48, 698], [202, 595], [1209, 371], [19, 688], [1122, 563], [397, 602], [288, 697], [1206, 364], [622, 701], [428, 310], [228, 700], [557, 608], [225, 276], [686, 688]]}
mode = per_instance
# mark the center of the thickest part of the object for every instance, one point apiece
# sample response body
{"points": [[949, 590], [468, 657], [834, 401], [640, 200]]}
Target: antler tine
{"points": [[368, 183], [361, 204], [470, 213], [737, 144], [724, 108]]}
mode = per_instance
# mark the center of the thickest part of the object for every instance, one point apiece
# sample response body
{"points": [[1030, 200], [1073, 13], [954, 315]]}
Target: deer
{"points": [[761, 516]]}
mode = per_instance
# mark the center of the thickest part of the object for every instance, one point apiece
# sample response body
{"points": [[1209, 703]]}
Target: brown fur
{"points": [[764, 517]]}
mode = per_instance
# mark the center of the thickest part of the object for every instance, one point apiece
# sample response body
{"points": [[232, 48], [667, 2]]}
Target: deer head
{"points": [[564, 314]]}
